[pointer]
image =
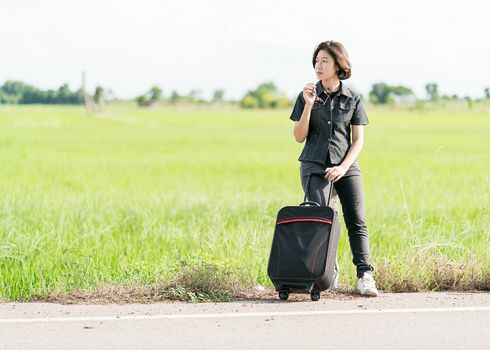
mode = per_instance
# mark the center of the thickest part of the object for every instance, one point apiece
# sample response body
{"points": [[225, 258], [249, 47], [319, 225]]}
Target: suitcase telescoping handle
{"points": [[307, 188], [309, 203]]}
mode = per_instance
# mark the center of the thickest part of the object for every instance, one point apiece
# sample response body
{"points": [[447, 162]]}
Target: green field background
{"points": [[130, 196]]}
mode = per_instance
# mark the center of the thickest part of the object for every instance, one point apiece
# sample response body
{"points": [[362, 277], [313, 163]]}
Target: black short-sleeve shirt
{"points": [[329, 131]]}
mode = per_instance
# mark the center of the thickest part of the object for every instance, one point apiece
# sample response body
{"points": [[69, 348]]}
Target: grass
{"points": [[137, 198]]}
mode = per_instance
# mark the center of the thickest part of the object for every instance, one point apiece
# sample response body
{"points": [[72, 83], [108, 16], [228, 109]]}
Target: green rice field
{"points": [[185, 200]]}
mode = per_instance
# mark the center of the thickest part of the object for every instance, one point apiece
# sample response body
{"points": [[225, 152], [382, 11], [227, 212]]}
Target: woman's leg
{"points": [[351, 195]]}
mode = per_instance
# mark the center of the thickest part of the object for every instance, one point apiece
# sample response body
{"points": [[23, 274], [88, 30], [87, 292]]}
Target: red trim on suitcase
{"points": [[326, 221]]}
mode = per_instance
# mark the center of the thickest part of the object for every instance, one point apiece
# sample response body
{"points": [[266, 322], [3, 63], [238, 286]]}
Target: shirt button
{"points": [[328, 122]]}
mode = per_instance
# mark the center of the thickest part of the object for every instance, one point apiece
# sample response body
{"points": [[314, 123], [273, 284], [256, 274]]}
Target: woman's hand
{"points": [[335, 173], [309, 93]]}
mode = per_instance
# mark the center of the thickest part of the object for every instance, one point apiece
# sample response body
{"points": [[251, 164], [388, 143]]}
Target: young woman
{"points": [[331, 118]]}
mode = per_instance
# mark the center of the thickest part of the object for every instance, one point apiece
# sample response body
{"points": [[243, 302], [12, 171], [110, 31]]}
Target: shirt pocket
{"points": [[316, 107], [315, 115], [346, 111]]}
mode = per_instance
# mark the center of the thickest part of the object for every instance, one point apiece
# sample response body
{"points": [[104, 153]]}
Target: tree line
{"points": [[17, 92], [155, 95], [266, 95], [382, 93]]}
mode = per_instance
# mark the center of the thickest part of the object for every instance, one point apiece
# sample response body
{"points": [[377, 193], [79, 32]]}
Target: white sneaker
{"points": [[366, 285]]}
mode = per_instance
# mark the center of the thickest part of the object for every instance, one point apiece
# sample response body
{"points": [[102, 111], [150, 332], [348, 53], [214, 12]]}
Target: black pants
{"points": [[350, 192]]}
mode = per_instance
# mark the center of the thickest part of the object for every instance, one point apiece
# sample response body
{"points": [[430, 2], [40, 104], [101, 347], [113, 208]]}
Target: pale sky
{"points": [[128, 46]]}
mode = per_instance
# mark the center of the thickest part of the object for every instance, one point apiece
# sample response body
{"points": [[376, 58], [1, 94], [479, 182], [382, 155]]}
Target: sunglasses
{"points": [[321, 101]]}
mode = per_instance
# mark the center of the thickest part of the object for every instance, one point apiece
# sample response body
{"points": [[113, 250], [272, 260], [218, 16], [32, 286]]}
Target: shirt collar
{"points": [[343, 89]]}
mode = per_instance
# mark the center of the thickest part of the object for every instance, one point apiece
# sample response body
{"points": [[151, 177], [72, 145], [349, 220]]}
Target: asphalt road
{"points": [[391, 321]]}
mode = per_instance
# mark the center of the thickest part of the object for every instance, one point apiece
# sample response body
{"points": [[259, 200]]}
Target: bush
{"points": [[249, 101]]}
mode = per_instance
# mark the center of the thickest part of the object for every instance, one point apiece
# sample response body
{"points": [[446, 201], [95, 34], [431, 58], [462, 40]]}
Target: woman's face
{"points": [[325, 67]]}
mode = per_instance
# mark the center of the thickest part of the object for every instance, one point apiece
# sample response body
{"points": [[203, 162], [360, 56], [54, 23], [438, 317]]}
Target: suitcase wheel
{"points": [[283, 295], [315, 296]]}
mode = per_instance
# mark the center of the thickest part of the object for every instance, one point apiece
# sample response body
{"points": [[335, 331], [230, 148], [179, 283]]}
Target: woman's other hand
{"points": [[335, 173]]}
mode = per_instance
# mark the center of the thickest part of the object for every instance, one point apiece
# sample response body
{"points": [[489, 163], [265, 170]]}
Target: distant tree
{"points": [[402, 91], [487, 92], [249, 101], [99, 98], [63, 94], [142, 100], [99, 94], [150, 98], [218, 95], [9, 99], [11, 87], [74, 97], [432, 91], [174, 97], [379, 93], [155, 93], [383, 93], [266, 95], [51, 96], [30, 94]]}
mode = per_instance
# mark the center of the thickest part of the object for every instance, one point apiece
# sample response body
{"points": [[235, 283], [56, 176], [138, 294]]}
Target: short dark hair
{"points": [[340, 56]]}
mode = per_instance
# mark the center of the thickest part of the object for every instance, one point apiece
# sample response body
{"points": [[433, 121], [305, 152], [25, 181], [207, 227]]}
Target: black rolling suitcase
{"points": [[304, 247]]}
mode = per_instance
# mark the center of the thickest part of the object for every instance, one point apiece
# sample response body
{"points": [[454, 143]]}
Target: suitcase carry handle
{"points": [[309, 203], [308, 177]]}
